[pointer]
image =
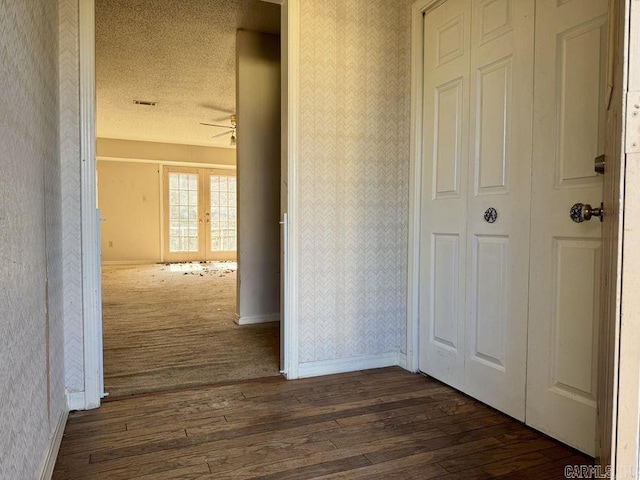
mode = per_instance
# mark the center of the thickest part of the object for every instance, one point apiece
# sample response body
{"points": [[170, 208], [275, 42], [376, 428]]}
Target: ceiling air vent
{"points": [[145, 103]]}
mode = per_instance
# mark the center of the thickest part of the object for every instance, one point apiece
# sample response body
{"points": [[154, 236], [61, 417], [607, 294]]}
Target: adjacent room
{"points": [[168, 181]]}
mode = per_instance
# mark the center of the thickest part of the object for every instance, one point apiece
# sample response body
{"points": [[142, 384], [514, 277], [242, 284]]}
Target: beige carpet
{"points": [[171, 326]]}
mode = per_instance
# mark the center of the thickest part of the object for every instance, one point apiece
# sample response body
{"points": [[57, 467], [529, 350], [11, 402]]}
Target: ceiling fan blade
{"points": [[215, 125], [221, 134], [216, 108]]}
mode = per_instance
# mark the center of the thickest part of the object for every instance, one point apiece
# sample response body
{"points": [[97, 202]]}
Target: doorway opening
{"points": [[167, 188]]}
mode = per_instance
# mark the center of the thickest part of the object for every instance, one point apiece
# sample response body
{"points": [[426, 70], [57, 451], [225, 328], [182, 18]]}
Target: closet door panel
{"points": [[498, 205]]}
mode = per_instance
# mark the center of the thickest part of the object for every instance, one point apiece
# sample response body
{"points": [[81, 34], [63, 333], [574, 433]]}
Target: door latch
{"points": [[599, 164]]}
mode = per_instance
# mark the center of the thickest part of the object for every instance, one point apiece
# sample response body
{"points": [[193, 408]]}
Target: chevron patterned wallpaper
{"points": [[70, 155], [353, 174], [31, 312]]}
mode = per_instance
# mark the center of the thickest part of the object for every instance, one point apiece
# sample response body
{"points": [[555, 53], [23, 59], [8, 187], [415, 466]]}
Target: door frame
{"points": [[418, 10], [90, 226], [625, 437], [625, 434]]}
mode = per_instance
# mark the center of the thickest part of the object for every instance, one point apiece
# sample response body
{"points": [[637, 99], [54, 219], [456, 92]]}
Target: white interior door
{"points": [[569, 128], [478, 78]]}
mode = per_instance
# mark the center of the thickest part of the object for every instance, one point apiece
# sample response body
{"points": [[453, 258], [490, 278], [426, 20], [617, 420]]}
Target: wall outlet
{"points": [[110, 243]]}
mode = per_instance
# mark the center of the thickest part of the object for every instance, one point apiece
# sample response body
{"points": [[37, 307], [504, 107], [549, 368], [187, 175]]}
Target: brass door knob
{"points": [[581, 212]]}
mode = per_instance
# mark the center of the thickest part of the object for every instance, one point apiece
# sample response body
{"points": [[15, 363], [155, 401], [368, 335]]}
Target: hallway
{"points": [[172, 326]]}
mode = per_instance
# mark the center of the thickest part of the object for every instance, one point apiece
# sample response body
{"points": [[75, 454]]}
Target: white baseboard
{"points": [[402, 360], [349, 364], [52, 453], [253, 319], [75, 401]]}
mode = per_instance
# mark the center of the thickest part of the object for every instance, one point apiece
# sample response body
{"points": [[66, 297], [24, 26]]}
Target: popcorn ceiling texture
{"points": [[181, 54], [353, 177], [31, 349]]}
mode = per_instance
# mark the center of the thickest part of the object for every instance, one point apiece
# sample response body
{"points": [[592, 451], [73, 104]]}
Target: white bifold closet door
{"points": [[508, 283], [477, 114]]}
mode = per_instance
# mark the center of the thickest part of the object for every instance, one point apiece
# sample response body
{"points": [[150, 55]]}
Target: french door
{"points": [[200, 214]]}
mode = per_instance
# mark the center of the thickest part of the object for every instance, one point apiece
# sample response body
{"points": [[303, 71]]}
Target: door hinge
{"points": [[632, 134]]}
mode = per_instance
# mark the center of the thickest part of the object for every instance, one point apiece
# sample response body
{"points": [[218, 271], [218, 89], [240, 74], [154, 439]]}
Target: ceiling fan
{"points": [[231, 129]]}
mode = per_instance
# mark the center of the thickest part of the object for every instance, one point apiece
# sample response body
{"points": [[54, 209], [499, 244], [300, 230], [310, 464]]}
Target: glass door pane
{"points": [[223, 236], [183, 212]]}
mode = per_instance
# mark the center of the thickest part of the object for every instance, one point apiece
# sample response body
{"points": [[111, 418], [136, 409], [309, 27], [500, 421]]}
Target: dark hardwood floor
{"points": [[373, 424]]}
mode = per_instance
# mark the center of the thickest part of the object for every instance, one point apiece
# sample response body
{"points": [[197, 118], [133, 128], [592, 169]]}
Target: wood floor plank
{"points": [[99, 427], [433, 410], [129, 469], [386, 428], [421, 410], [437, 443], [490, 456], [294, 410], [403, 465], [185, 473], [221, 456], [385, 424], [165, 329], [123, 440], [245, 436], [311, 471]]}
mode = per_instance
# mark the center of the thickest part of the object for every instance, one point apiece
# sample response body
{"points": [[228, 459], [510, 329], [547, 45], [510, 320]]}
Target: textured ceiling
{"points": [[179, 53]]}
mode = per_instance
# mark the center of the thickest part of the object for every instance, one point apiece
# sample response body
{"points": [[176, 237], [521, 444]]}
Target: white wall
{"points": [[258, 105], [164, 152], [32, 400], [129, 202]]}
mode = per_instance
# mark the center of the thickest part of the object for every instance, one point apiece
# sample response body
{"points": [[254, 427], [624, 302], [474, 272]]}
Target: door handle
{"points": [[581, 212]]}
